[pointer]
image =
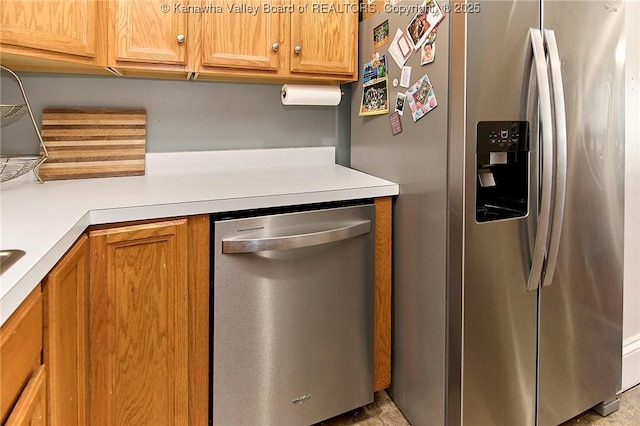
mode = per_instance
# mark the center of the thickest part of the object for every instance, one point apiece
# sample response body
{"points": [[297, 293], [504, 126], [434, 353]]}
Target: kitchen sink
{"points": [[8, 258]]}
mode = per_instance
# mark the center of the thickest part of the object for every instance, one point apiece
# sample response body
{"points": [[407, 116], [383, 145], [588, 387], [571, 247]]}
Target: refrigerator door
{"points": [[581, 311], [499, 337]]}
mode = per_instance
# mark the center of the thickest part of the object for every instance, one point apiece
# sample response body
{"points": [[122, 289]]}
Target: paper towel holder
{"points": [[327, 95]]}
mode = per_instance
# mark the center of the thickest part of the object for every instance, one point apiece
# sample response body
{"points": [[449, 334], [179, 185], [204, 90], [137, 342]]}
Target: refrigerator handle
{"points": [[544, 109], [560, 183]]}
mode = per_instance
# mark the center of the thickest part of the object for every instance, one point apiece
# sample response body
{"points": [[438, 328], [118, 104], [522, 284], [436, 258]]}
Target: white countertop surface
{"points": [[44, 220]]}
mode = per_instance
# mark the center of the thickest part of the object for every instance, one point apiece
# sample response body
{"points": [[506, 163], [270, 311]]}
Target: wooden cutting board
{"points": [[90, 143]]}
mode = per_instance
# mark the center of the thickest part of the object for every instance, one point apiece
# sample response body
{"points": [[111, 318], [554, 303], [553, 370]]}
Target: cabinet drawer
{"points": [[20, 350]]}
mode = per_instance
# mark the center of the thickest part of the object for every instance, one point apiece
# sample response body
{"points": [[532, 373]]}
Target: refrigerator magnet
{"points": [[375, 98], [427, 53], [405, 77], [381, 35], [396, 124], [400, 98], [375, 69], [423, 23], [400, 48], [421, 98]]}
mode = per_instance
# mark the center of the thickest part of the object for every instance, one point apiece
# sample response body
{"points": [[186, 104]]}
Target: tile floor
{"points": [[383, 412]]}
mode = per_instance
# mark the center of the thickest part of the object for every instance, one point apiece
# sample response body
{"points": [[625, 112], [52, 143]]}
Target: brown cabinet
{"points": [[324, 37], [31, 408], [35, 32], [279, 40], [382, 299], [21, 363], [149, 323], [148, 34], [241, 38], [66, 321]]}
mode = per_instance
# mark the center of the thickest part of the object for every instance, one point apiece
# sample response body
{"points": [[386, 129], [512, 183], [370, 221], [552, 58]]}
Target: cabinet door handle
{"points": [[252, 245], [180, 38], [275, 47], [297, 49]]}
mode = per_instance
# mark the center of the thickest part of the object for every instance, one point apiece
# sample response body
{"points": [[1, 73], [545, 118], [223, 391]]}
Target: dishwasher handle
{"points": [[286, 242]]}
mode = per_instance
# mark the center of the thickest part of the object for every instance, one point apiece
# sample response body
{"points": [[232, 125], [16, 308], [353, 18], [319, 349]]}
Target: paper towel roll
{"points": [[310, 95]]}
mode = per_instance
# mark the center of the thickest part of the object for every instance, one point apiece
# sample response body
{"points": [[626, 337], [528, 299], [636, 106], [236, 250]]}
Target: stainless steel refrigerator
{"points": [[508, 229]]}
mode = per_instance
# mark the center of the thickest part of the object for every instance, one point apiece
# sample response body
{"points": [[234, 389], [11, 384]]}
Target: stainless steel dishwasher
{"points": [[292, 316]]}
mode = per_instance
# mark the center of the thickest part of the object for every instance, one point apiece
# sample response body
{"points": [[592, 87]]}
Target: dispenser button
{"points": [[504, 134]]}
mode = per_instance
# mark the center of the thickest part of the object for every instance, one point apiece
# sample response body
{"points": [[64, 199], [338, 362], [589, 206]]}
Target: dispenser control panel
{"points": [[502, 167], [501, 136]]}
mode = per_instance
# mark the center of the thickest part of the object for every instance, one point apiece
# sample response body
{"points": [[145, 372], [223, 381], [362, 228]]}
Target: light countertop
{"points": [[44, 220]]}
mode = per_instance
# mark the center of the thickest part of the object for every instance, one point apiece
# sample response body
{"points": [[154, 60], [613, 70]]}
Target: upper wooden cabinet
{"points": [[63, 30], [238, 37], [324, 37], [285, 40], [147, 31], [275, 40]]}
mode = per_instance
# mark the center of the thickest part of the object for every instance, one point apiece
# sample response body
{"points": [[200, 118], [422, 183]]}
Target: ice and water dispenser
{"points": [[502, 168]]}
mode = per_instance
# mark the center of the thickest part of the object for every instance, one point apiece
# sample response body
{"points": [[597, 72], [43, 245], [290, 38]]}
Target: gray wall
{"points": [[185, 115]]}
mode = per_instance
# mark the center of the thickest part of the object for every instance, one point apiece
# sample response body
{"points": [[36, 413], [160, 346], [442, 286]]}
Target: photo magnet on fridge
{"points": [[400, 98], [421, 98], [381, 34], [427, 53], [375, 69], [424, 22], [400, 48], [396, 124], [375, 98]]}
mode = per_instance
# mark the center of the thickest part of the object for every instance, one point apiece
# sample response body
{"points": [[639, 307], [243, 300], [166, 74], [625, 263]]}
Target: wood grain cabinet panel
{"points": [[31, 408], [382, 312], [52, 25], [20, 351], [54, 35], [241, 35], [149, 330], [148, 31], [66, 321], [324, 37]]}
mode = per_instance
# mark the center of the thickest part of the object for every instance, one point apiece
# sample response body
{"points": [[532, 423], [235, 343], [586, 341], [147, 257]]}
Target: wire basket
{"points": [[11, 113], [13, 166]]}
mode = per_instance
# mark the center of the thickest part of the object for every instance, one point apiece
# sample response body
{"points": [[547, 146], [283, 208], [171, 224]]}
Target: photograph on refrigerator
{"points": [[375, 69], [381, 35], [421, 98], [375, 98], [424, 22], [400, 48], [400, 98]]}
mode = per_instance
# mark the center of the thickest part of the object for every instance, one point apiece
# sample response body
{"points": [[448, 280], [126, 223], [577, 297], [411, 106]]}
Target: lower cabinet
{"points": [[65, 336], [22, 374], [149, 323], [31, 408]]}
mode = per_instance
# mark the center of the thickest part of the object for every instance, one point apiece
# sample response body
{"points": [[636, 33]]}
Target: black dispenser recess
{"points": [[502, 167]]}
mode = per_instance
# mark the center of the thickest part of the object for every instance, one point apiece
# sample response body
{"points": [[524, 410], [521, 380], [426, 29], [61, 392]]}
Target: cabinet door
{"points": [[324, 37], [241, 35], [51, 25], [139, 324], [148, 31], [66, 292], [31, 408], [20, 351]]}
